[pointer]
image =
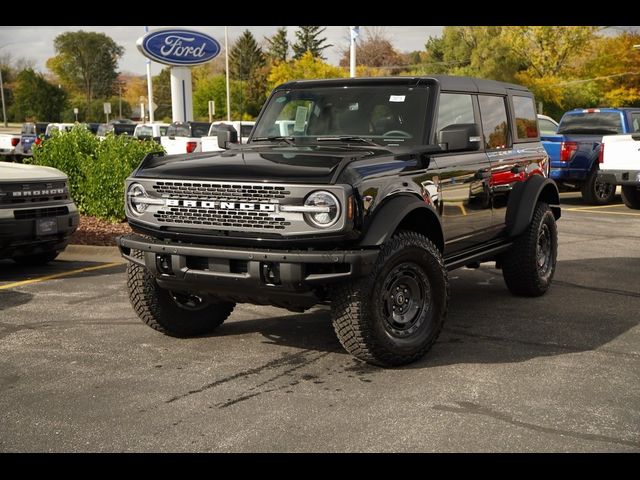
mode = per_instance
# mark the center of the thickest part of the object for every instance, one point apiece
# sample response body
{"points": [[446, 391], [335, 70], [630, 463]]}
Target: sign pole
{"points": [[149, 84]]}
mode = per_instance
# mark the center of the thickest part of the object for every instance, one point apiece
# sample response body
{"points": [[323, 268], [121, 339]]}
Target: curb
{"points": [[91, 253]]}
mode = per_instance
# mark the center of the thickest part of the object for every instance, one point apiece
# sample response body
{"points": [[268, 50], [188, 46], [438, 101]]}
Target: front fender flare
{"points": [[390, 216]]}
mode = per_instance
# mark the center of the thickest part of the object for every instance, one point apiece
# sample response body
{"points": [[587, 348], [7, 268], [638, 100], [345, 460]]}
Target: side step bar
{"points": [[464, 258]]}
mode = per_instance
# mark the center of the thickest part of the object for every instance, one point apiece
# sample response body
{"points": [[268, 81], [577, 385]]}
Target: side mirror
{"points": [[460, 136], [226, 134]]}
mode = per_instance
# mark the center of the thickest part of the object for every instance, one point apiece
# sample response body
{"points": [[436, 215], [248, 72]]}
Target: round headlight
{"points": [[135, 197], [328, 209]]}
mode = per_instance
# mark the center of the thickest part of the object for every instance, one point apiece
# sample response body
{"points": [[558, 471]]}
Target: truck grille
{"points": [[27, 193], [221, 218], [220, 191]]}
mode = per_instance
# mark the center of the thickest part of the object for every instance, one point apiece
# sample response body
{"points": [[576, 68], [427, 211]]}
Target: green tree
{"points": [[308, 40], [246, 61], [37, 99], [245, 57], [162, 94], [307, 66], [87, 62], [278, 46]]}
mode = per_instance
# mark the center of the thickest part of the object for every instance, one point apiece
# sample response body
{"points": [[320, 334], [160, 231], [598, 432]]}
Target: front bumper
{"points": [[20, 236], [258, 276], [620, 177]]}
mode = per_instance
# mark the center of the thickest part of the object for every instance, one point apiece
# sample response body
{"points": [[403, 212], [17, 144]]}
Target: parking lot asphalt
{"points": [[80, 372]]}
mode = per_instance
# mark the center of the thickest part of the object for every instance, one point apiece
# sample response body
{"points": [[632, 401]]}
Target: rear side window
{"points": [[454, 108], [526, 119], [591, 123], [635, 122], [495, 126]]}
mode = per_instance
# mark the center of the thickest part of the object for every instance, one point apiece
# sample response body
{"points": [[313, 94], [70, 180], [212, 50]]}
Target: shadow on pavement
{"points": [[591, 303]]}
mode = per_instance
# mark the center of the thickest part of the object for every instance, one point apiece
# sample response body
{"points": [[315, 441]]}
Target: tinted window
{"points": [[386, 114], [547, 127], [597, 123], [163, 131], [454, 108], [199, 130], [172, 131], [494, 122], [526, 119], [245, 130], [635, 122]]}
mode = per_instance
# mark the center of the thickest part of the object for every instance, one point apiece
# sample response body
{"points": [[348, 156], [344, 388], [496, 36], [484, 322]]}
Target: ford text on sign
{"points": [[178, 47]]}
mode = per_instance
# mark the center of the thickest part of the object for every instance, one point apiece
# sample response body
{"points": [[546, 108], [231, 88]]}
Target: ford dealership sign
{"points": [[178, 47]]}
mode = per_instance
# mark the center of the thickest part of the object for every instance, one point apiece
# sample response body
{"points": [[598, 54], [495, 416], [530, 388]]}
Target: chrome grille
{"points": [[221, 218], [220, 191]]}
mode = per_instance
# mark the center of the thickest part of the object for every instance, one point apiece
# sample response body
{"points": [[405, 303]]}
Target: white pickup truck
{"points": [[8, 143], [184, 137], [210, 142], [620, 165]]}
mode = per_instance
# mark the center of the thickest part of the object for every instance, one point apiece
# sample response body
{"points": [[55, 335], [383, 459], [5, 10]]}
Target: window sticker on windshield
{"points": [[353, 107], [301, 119], [396, 98]]}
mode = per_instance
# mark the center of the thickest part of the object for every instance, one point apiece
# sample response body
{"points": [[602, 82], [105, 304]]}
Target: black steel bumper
{"points": [[244, 273], [620, 177], [21, 237]]}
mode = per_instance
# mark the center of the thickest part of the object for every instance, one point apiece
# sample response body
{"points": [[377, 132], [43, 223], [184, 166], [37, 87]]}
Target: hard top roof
{"points": [[446, 82]]}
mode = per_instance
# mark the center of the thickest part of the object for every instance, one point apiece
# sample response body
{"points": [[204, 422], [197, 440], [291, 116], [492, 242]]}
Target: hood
{"points": [[15, 172], [300, 164]]}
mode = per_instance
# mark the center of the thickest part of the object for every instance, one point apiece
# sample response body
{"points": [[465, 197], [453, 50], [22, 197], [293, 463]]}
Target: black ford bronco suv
{"points": [[358, 192]]}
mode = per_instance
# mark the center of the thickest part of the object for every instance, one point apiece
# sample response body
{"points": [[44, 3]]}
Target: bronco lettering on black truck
{"points": [[378, 189]]}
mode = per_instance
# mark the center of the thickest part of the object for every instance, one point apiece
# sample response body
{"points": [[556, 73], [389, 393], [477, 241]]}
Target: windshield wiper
{"points": [[289, 140], [347, 138]]}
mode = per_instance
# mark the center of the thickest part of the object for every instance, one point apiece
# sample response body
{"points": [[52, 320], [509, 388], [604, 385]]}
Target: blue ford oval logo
{"points": [[178, 47]]}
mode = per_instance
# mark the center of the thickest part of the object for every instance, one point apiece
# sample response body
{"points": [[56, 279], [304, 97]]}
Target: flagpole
{"points": [[226, 60]]}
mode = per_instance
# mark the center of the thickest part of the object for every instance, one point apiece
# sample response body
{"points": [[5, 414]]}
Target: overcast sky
{"points": [[37, 42]]}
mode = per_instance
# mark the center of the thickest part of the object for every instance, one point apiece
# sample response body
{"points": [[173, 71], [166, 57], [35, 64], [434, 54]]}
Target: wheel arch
{"points": [[523, 200], [404, 212]]}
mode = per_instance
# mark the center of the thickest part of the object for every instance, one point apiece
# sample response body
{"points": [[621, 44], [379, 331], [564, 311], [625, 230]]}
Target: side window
{"points": [[526, 120], [635, 122], [454, 108], [494, 122]]}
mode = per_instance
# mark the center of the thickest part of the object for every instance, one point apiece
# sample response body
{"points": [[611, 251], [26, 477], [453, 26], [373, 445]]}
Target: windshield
{"points": [[596, 122], [386, 114]]}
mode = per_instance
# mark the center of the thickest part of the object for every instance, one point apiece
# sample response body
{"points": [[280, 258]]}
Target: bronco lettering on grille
{"points": [[261, 207]]}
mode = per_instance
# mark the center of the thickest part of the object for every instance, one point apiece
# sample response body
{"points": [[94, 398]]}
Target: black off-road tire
{"points": [[162, 310], [37, 259], [597, 192], [528, 267], [631, 196], [361, 309]]}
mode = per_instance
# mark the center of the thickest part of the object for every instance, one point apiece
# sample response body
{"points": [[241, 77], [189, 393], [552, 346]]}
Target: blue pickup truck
{"points": [[575, 150], [30, 135]]}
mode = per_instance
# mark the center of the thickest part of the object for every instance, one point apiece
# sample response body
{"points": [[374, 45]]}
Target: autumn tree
{"points": [[307, 67], [87, 62], [308, 40], [37, 99], [374, 50], [278, 46]]}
